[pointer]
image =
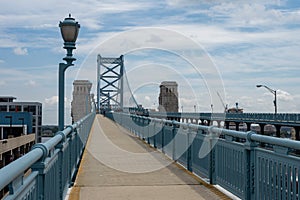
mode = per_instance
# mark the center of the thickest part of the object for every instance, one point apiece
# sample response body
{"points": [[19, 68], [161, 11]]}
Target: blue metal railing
{"points": [[243, 168], [280, 118], [52, 165]]}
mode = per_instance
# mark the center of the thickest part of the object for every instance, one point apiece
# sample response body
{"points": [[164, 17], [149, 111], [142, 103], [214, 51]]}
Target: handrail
{"points": [[238, 134], [267, 117], [39, 152], [14, 169]]}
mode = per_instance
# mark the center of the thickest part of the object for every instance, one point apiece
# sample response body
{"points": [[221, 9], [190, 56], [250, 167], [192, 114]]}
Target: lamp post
{"points": [[273, 92], [69, 29]]}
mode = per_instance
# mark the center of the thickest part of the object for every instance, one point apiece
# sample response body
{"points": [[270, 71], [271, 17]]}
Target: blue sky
{"points": [[248, 44]]}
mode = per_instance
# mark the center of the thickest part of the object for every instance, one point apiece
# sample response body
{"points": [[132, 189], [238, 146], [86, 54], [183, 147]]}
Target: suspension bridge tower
{"points": [[110, 73]]}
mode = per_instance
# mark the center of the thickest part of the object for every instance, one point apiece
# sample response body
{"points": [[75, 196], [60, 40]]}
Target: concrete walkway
{"points": [[117, 165]]}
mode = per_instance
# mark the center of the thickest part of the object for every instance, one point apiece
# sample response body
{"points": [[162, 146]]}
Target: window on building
{"points": [[32, 109], [25, 108], [12, 108], [3, 108]]}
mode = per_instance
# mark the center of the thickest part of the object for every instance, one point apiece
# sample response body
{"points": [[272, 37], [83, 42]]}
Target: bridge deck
{"points": [[117, 165]]}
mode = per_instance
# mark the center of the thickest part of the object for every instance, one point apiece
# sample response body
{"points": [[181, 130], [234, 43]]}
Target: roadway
{"points": [[118, 165]]}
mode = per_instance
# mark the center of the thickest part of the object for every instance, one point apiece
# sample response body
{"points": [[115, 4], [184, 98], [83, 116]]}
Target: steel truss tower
{"points": [[110, 82]]}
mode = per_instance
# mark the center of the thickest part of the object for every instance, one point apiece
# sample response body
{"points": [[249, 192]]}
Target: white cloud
{"points": [[54, 100], [20, 51], [51, 100], [238, 2], [2, 83], [252, 15], [31, 83], [284, 96]]}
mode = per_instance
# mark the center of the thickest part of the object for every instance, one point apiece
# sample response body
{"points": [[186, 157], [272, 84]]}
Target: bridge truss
{"points": [[110, 73]]}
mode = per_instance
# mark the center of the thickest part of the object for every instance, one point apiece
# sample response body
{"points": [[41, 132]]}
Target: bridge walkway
{"points": [[118, 165]]}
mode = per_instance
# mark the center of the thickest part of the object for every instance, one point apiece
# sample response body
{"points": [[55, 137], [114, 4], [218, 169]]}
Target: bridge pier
{"points": [[262, 129], [278, 127], [248, 126], [202, 121], [208, 123], [297, 130], [227, 125], [262, 132], [237, 126]]}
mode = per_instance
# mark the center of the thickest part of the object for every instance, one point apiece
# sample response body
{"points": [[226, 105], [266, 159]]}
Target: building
{"points": [[20, 118], [20, 128], [15, 124], [168, 97], [82, 99]]}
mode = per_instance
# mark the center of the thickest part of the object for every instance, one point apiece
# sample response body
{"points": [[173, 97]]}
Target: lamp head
{"points": [[69, 29], [258, 86]]}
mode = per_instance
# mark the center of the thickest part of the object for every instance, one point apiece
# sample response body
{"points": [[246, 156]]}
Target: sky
{"points": [[211, 48]]}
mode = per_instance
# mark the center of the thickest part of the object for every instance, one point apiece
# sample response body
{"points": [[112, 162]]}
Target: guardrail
{"points": [[243, 168], [282, 118], [53, 164]]}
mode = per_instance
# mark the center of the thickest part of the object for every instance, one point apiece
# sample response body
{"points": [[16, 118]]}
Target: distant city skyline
{"points": [[249, 43]]}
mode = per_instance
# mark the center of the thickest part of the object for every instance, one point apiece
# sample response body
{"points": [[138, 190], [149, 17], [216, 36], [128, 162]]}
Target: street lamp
{"points": [[69, 29], [273, 92]]}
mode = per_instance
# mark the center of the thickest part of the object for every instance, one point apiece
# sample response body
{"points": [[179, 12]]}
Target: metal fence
{"points": [[47, 171], [244, 168], [282, 118]]}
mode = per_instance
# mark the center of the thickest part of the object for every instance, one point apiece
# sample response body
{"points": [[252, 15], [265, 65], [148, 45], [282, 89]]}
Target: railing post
{"points": [[40, 168], [148, 130], [212, 156], [249, 167], [173, 141], [143, 122], [189, 150], [162, 135], [61, 160], [154, 133], [71, 156]]}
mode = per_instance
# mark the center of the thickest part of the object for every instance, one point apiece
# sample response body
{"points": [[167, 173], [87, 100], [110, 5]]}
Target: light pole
{"points": [[273, 92], [69, 29]]}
